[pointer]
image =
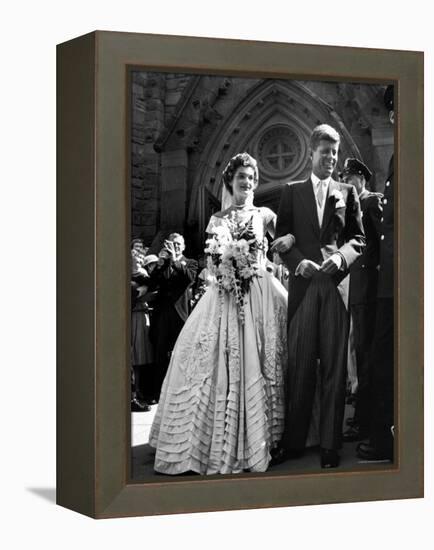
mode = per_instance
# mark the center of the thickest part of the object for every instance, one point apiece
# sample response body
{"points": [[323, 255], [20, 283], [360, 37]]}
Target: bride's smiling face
{"points": [[243, 184]]}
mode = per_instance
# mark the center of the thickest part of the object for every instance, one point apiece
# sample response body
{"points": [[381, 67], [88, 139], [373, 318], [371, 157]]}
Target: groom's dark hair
{"points": [[323, 132]]}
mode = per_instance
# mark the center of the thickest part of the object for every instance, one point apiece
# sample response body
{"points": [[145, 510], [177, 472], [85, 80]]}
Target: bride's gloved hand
{"points": [[282, 244]]}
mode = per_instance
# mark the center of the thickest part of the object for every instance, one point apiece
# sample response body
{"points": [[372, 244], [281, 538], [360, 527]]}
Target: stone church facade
{"points": [[186, 127]]}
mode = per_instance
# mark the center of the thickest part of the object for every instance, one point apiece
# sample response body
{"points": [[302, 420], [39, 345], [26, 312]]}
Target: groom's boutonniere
{"points": [[338, 197]]}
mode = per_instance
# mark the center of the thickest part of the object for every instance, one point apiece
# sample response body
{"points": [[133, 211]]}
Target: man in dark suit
{"points": [[380, 445], [324, 217], [172, 278], [363, 293]]}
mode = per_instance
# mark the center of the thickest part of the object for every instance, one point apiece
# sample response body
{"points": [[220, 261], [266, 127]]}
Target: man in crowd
{"points": [[380, 444], [363, 293], [172, 277]]}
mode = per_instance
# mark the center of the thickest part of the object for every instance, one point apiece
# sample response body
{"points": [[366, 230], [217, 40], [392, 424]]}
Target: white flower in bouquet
{"points": [[228, 252], [247, 272], [242, 248], [243, 261], [222, 234], [212, 246]]}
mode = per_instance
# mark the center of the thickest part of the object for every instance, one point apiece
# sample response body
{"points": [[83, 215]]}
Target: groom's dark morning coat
{"points": [[317, 319], [341, 230]]}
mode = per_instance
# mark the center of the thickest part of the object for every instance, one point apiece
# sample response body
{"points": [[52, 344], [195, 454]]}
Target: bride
{"points": [[221, 408]]}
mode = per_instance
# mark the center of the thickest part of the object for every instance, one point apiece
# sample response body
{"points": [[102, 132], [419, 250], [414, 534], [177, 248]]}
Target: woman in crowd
{"points": [[221, 407], [142, 354]]}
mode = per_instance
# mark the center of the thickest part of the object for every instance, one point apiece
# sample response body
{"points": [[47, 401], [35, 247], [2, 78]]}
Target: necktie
{"points": [[320, 194]]}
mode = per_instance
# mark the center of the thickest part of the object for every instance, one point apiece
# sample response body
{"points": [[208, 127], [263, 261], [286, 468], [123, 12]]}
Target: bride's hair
{"points": [[242, 159]]}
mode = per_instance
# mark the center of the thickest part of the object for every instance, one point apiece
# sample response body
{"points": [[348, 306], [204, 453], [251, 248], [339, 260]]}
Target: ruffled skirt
{"points": [[221, 408]]}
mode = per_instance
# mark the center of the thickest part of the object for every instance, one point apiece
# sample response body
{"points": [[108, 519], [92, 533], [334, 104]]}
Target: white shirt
{"points": [[316, 182]]}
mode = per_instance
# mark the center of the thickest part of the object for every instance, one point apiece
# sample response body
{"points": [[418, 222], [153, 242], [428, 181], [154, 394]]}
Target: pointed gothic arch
{"points": [[273, 123]]}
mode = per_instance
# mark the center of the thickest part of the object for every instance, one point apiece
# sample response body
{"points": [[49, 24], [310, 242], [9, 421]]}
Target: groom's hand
{"points": [[307, 268], [332, 264], [282, 244]]}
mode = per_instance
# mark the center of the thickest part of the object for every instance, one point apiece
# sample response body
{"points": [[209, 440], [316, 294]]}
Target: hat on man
{"points": [[356, 167], [388, 98], [150, 259]]}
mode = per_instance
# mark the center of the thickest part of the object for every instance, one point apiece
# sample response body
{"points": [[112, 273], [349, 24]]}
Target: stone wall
{"points": [[155, 97]]}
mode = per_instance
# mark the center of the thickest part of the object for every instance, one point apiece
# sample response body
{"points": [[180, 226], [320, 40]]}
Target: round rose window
{"points": [[279, 150]]}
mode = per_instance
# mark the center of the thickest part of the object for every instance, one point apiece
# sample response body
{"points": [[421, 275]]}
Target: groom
{"points": [[324, 217]]}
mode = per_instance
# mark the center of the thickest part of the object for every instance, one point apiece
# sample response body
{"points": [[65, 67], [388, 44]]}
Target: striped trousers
{"points": [[317, 330]]}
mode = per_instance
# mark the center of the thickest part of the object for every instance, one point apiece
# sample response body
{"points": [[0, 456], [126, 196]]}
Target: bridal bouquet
{"points": [[233, 257]]}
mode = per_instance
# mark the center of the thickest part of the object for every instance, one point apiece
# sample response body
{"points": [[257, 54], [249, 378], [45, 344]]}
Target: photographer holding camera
{"points": [[173, 276]]}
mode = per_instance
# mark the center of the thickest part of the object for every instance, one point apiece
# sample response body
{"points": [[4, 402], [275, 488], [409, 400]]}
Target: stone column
{"points": [[174, 165]]}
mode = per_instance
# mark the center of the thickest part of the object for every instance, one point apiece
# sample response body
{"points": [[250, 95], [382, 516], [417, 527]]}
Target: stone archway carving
{"points": [[275, 118]]}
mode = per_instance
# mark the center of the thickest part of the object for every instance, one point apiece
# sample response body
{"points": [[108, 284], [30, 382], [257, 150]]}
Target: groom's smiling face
{"points": [[324, 159]]}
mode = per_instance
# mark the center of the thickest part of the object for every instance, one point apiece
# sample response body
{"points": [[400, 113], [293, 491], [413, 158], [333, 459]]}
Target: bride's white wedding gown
{"points": [[221, 408]]}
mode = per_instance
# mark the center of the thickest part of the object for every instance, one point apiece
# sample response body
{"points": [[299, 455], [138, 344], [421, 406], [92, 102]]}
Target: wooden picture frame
{"points": [[93, 250]]}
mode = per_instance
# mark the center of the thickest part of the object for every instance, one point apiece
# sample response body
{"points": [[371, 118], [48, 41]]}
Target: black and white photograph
{"points": [[217, 235], [262, 275]]}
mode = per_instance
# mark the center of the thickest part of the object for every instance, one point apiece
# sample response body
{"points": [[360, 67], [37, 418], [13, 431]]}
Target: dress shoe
{"points": [[280, 455], [354, 433], [368, 452], [329, 458]]}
